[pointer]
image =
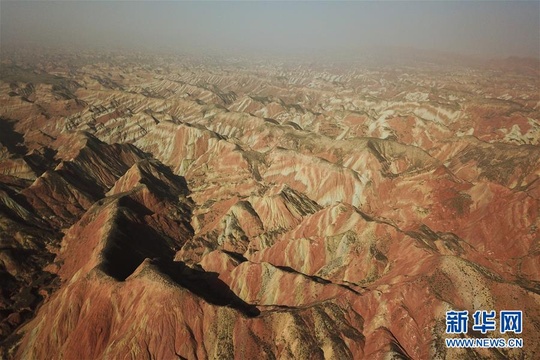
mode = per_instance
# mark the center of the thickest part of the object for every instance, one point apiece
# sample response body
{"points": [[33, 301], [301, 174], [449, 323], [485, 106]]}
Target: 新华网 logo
{"points": [[483, 321]]}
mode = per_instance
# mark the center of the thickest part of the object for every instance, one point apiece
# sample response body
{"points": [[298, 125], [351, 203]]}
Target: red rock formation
{"points": [[217, 211]]}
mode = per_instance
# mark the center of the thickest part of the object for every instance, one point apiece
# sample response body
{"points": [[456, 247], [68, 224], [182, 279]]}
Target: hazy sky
{"points": [[499, 28]]}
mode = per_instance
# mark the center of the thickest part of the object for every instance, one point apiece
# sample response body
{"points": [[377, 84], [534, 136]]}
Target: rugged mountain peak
{"points": [[170, 207]]}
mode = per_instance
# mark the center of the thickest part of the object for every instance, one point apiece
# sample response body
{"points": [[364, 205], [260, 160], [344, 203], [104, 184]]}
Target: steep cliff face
{"points": [[226, 211]]}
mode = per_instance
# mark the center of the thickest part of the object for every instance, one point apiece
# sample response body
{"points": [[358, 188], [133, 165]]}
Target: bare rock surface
{"points": [[170, 207]]}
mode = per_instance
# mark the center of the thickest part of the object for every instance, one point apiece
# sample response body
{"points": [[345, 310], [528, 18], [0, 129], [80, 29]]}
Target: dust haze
{"points": [[480, 28]]}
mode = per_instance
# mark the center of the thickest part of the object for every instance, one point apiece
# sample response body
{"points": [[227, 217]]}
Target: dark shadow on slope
{"points": [[24, 289], [206, 285], [41, 161], [314, 278], [236, 256], [80, 180], [16, 207], [396, 350], [38, 161], [159, 186], [97, 165], [529, 285], [131, 241], [129, 245], [11, 139]]}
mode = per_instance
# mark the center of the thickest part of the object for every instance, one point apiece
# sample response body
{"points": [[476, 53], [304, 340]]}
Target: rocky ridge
{"points": [[168, 207]]}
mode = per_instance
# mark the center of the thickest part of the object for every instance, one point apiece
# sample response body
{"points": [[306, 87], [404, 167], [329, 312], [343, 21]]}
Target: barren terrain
{"points": [[176, 207]]}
